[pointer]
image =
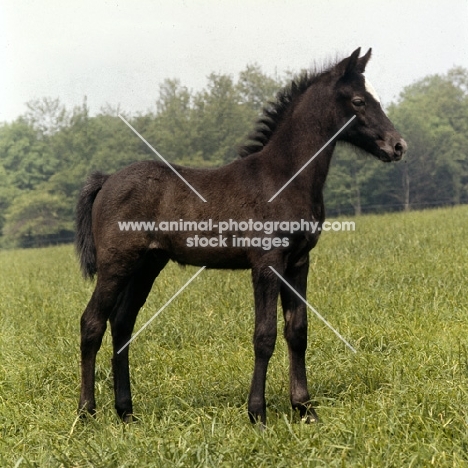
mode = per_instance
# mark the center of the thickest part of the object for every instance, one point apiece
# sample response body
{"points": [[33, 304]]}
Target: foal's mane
{"points": [[275, 111]]}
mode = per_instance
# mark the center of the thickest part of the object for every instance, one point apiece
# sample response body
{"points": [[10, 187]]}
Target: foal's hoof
{"points": [[128, 418], [258, 420], [85, 413], [309, 416], [307, 413]]}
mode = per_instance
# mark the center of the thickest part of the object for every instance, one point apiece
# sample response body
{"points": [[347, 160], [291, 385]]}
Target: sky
{"points": [[118, 53]]}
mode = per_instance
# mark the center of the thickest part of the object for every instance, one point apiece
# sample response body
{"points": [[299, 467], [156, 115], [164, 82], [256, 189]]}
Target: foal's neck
{"points": [[297, 147]]}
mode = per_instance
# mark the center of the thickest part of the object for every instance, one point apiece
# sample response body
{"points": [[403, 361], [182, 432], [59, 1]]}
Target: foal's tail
{"points": [[84, 242]]}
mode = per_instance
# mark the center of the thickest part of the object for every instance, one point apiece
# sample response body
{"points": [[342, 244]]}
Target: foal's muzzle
{"points": [[393, 147]]}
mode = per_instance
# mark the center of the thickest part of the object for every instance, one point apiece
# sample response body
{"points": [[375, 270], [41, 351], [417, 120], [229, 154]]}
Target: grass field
{"points": [[396, 288]]}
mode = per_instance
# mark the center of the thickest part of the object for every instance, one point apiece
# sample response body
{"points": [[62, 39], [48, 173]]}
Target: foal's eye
{"points": [[359, 102]]}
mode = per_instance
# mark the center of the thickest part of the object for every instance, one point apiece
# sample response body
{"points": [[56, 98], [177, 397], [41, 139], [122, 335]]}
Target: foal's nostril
{"points": [[399, 149]]}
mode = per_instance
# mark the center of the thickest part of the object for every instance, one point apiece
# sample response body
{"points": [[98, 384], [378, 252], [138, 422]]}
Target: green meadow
{"points": [[396, 288]]}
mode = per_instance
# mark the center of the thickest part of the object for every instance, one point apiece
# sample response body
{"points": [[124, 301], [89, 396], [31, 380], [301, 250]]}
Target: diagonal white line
{"points": [[313, 310], [312, 158], [160, 157], [161, 309]]}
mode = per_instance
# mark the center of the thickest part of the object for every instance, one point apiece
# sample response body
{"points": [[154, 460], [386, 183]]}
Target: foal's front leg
{"points": [[295, 333], [266, 290]]}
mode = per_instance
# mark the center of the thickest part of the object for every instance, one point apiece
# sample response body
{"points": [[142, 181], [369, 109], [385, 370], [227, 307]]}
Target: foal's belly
{"points": [[213, 257]]}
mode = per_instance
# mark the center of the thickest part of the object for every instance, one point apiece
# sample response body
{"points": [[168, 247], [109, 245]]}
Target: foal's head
{"points": [[327, 100], [371, 130]]}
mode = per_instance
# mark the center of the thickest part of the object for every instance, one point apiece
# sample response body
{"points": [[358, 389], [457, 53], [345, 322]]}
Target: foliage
{"points": [[38, 219], [434, 114], [47, 153], [395, 288]]}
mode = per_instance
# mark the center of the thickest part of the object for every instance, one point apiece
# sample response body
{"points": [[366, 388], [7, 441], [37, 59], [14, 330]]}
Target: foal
{"points": [[304, 119]]}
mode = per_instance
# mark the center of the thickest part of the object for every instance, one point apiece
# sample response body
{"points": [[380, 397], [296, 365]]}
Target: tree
{"points": [[26, 159], [433, 113], [348, 171], [220, 121], [255, 88], [38, 218], [47, 116], [171, 131]]}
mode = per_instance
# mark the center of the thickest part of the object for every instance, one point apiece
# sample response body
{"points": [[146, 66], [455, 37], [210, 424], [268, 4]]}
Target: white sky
{"points": [[118, 52]]}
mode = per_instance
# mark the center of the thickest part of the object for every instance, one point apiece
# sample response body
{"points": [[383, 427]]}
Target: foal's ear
{"points": [[362, 62], [348, 64], [353, 63]]}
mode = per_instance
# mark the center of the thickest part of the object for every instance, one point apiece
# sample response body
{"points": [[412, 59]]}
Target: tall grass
{"points": [[396, 288]]}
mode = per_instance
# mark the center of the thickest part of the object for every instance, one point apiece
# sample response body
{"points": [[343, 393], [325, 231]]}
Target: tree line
{"points": [[47, 153]]}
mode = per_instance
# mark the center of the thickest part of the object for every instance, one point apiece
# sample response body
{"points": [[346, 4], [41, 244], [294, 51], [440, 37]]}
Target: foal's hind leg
{"points": [[93, 326], [122, 322], [295, 332]]}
